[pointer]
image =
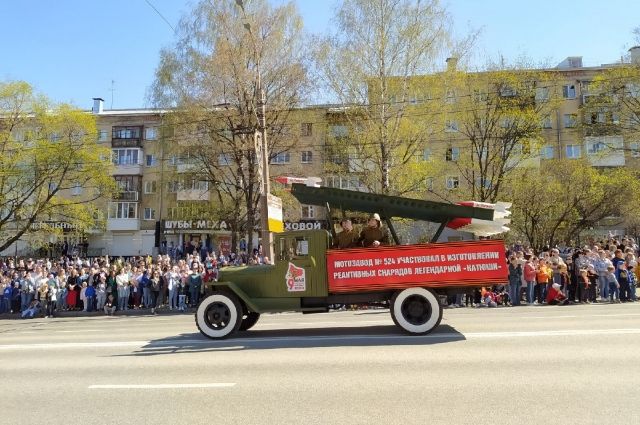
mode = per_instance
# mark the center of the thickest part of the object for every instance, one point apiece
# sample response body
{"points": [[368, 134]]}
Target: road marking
{"points": [[162, 386], [347, 338], [80, 331]]}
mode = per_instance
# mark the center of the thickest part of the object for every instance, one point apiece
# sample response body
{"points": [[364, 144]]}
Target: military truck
{"points": [[307, 276]]}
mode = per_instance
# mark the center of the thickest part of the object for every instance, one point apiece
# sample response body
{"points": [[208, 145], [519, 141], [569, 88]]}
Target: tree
{"points": [[367, 65], [568, 197], [495, 120], [211, 75], [48, 155]]}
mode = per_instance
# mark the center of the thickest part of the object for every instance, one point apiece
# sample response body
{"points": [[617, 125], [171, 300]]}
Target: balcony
{"points": [[192, 195], [606, 151], [127, 169], [126, 137], [186, 167], [123, 224], [130, 195]]}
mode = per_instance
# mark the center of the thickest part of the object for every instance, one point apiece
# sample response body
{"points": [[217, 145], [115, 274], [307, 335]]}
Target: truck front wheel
{"points": [[219, 315], [416, 310]]}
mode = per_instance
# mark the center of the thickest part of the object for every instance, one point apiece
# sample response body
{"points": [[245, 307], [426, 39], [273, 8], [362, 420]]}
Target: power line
{"points": [[161, 15]]}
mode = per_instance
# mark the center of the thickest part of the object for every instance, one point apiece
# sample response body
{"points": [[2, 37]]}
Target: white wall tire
{"points": [[219, 315], [416, 310]]}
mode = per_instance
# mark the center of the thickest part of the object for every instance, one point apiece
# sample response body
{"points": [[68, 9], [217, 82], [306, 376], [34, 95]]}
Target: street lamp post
{"points": [[265, 235]]}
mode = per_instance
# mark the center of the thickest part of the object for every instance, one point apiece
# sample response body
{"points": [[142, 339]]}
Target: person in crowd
{"points": [[72, 290], [195, 284], [602, 264], [144, 283], [373, 235], [154, 287], [101, 292], [32, 310], [592, 292], [623, 280], [632, 282], [529, 275], [110, 305], [555, 296], [515, 280], [614, 286], [543, 275], [173, 283], [83, 296], [347, 238], [122, 280]]}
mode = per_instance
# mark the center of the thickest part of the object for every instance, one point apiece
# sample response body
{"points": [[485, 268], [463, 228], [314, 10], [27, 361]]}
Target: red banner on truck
{"points": [[474, 263]]}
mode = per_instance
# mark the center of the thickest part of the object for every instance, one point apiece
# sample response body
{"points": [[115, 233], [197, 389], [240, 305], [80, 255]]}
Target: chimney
{"points": [[634, 54], [98, 105], [452, 63]]}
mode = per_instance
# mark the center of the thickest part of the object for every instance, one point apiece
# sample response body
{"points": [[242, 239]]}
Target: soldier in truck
{"points": [[374, 235], [347, 238]]}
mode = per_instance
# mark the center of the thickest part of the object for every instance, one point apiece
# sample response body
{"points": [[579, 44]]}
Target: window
{"points": [[483, 153], [635, 149], [615, 117], [480, 95], [119, 210], [507, 122], [573, 151], [306, 129], [597, 118], [126, 133], [308, 211], [570, 120], [633, 90], [453, 182], [542, 94], [307, 157], [507, 91], [150, 133], [149, 214], [53, 187], [452, 154], [172, 186], [569, 91], [76, 190], [151, 161], [126, 156], [150, 186], [483, 182], [426, 154], [343, 182], [339, 131], [450, 126], [224, 159], [547, 152], [103, 135], [281, 158], [429, 183], [546, 122], [594, 148], [450, 96], [55, 137], [293, 248]]}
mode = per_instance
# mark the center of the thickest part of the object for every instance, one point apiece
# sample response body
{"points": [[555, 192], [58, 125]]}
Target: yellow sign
{"points": [[274, 214]]}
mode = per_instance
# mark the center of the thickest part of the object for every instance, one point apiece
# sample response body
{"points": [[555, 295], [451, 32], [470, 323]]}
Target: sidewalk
{"points": [[164, 311]]}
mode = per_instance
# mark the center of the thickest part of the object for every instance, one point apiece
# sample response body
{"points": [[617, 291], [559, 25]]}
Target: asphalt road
{"points": [[528, 365]]}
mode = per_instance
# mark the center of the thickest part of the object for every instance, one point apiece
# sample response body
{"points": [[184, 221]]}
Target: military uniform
{"points": [[370, 234], [345, 239]]}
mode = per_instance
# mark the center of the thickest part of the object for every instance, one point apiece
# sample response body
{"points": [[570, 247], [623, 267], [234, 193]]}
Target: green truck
{"points": [[307, 276]]}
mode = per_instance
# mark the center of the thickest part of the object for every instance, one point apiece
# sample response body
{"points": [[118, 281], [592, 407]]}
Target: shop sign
{"points": [[302, 225], [58, 225], [194, 225]]}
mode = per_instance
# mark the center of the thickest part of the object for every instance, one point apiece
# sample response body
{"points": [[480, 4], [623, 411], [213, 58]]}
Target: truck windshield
{"points": [[292, 248]]}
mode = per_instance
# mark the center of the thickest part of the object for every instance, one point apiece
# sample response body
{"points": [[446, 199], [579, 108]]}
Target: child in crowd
{"points": [[555, 296], [592, 292], [612, 283]]}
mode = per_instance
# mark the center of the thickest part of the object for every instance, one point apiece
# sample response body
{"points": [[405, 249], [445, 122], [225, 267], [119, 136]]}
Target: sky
{"points": [[74, 50]]}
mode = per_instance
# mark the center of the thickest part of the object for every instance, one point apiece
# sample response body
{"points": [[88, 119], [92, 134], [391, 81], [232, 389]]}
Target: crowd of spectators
{"points": [[604, 271], [44, 286]]}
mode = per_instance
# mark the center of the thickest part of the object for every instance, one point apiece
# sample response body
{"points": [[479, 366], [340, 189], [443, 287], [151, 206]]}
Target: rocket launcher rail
{"points": [[388, 206]]}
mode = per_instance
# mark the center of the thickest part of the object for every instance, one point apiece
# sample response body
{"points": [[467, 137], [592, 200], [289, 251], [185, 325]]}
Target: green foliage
{"points": [[48, 152]]}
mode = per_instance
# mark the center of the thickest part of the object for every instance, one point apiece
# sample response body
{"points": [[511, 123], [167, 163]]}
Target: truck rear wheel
{"points": [[219, 315], [248, 320], [416, 310]]}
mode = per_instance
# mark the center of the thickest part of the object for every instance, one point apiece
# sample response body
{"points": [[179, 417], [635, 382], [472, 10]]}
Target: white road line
{"points": [[162, 386], [347, 338], [80, 331]]}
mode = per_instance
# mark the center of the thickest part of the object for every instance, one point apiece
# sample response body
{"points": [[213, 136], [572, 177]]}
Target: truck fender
{"points": [[232, 287]]}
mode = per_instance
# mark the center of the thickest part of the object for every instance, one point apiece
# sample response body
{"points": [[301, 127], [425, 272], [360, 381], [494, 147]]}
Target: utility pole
{"points": [[265, 235]]}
